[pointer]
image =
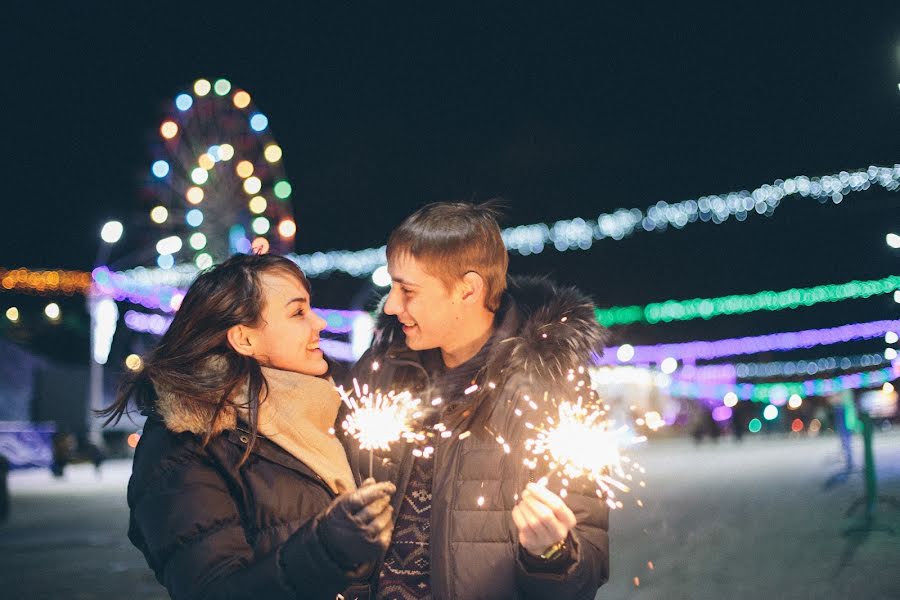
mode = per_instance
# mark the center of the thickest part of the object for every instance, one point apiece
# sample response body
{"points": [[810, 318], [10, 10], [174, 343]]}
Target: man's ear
{"points": [[473, 288], [239, 338]]}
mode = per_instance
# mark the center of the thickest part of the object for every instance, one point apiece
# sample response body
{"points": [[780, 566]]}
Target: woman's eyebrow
{"points": [[301, 300]]}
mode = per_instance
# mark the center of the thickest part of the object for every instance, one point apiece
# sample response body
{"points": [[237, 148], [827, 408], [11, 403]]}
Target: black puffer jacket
{"points": [[212, 530], [542, 331]]}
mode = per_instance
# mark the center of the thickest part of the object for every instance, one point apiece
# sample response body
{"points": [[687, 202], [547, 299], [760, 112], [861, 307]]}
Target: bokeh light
{"points": [[797, 425], [770, 412], [183, 102], [12, 313], [272, 153], [160, 169], [244, 169], [258, 122], [168, 129], [194, 195], [169, 245], [197, 241], [226, 152], [133, 440], [282, 189], [252, 185], [202, 87], [260, 245], [111, 232], [206, 161], [730, 400], [287, 228], [891, 337], [222, 87], [241, 99], [165, 261], [199, 175], [625, 352], [52, 311], [381, 277], [754, 425], [669, 365], [258, 205], [133, 362], [159, 214], [795, 401], [260, 225], [194, 217], [203, 261]]}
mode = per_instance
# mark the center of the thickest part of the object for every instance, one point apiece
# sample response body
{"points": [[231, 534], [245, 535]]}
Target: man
{"points": [[478, 349]]}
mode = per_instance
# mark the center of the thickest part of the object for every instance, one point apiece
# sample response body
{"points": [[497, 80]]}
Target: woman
{"points": [[239, 490]]}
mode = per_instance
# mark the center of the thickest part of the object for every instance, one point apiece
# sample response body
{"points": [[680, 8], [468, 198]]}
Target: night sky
{"points": [[562, 112]]}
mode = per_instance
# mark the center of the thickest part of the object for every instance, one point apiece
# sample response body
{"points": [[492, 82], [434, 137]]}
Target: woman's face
{"points": [[287, 336]]}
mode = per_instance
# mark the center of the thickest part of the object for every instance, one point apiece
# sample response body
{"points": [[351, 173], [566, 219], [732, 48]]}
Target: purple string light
{"points": [[691, 351]]}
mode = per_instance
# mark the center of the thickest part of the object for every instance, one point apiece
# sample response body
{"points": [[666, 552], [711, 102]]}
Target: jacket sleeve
{"points": [[586, 566], [188, 526]]}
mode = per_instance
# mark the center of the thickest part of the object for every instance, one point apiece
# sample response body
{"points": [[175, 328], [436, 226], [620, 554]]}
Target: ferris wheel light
{"points": [[111, 232], [287, 228], [258, 205], [194, 195], [168, 129], [252, 185], [202, 87], [160, 169], [241, 99], [194, 217], [203, 261], [159, 214], [222, 87], [199, 176], [206, 161], [282, 189], [165, 261], [183, 102], [258, 122], [260, 225], [226, 152], [197, 241], [244, 169], [272, 153], [168, 245]]}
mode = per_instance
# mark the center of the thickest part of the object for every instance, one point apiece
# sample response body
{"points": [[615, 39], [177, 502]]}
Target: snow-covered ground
{"points": [[726, 520]]}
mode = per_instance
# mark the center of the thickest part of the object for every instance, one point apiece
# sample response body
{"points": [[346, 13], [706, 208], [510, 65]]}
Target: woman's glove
{"points": [[357, 526]]}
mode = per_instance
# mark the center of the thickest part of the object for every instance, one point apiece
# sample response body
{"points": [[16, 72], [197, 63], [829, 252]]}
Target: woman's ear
{"points": [[239, 338]]}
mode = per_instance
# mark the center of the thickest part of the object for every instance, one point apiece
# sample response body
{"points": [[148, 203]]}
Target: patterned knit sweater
{"points": [[406, 573]]}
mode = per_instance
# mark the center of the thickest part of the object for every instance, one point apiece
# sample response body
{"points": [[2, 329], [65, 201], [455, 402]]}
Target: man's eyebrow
{"points": [[301, 300], [402, 281]]}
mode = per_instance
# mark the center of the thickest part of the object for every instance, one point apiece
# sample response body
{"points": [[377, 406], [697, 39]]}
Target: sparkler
{"points": [[377, 420], [580, 442]]}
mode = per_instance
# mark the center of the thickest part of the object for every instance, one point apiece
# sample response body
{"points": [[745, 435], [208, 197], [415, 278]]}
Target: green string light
{"points": [[707, 308]]}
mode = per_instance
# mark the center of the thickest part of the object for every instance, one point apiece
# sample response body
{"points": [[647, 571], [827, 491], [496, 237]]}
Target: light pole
{"points": [[104, 316]]}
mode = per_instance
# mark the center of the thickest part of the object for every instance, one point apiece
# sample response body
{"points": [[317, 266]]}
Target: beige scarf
{"points": [[297, 415]]}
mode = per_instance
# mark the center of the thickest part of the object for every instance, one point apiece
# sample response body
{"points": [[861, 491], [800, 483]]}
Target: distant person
{"points": [[239, 490]]}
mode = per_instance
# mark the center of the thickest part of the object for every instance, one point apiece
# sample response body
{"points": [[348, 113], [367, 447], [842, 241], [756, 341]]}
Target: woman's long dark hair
{"points": [[221, 297]]}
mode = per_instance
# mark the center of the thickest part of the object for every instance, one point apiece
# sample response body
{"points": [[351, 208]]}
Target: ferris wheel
{"points": [[216, 184]]}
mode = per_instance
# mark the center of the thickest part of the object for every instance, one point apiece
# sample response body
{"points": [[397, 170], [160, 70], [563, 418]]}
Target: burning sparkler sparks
{"points": [[580, 442], [376, 420]]}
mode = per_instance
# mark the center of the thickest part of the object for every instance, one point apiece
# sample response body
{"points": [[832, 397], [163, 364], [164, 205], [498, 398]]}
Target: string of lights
{"points": [[707, 308], [44, 282], [778, 393], [580, 233], [711, 350]]}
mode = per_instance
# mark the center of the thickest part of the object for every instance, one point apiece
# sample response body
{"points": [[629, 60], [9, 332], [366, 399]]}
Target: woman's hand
{"points": [[357, 526]]}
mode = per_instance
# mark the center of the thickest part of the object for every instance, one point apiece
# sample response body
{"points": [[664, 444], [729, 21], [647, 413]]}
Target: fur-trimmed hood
{"points": [[543, 330]]}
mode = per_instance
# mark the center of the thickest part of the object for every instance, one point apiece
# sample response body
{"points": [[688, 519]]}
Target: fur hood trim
{"points": [[543, 330]]}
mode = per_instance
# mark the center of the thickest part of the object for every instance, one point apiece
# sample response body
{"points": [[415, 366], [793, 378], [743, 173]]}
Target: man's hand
{"points": [[542, 519]]}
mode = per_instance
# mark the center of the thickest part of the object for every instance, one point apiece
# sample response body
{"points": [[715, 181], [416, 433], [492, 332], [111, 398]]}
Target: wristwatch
{"points": [[554, 550]]}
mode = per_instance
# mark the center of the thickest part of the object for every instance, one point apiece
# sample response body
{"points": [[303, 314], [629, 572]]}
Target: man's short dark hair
{"points": [[451, 239]]}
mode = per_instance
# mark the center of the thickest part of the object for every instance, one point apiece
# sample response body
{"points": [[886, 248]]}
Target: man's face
{"points": [[430, 313]]}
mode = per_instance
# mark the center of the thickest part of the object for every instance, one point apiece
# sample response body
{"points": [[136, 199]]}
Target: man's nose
{"points": [[392, 306]]}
